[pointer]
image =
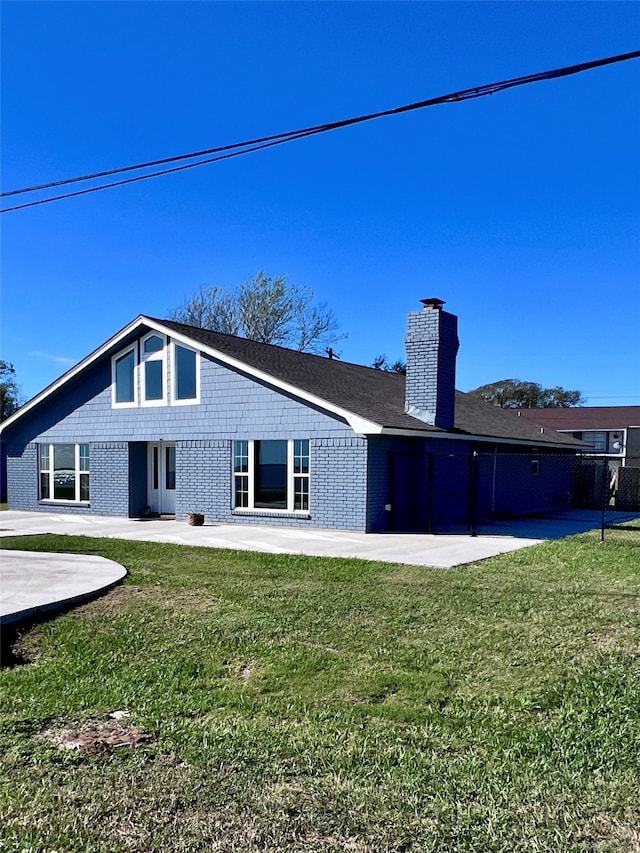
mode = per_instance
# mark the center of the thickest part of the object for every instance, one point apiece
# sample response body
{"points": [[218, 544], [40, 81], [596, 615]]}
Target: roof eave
{"points": [[74, 371], [491, 439]]}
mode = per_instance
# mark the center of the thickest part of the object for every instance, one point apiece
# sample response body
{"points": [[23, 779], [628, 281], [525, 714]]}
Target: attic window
{"points": [[153, 370], [123, 374], [186, 374], [153, 344]]}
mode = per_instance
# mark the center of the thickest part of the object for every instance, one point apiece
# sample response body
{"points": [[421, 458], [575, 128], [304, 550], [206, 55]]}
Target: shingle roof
{"points": [[586, 417], [375, 395]]}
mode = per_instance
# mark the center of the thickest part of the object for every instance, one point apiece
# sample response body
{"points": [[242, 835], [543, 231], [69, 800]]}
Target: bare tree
{"points": [[270, 310], [210, 308], [267, 308]]}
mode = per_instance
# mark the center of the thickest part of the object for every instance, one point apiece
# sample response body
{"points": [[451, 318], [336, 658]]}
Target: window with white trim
{"points": [[64, 472], [271, 475], [124, 390], [140, 373], [186, 374], [154, 373]]}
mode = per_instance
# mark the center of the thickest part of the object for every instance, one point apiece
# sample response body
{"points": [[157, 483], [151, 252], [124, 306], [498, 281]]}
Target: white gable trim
{"points": [[78, 368]]}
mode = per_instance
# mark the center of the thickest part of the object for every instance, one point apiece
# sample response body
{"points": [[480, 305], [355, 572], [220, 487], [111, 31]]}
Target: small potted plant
{"points": [[195, 518]]}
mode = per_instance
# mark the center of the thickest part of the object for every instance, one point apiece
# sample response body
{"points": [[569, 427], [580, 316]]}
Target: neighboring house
{"points": [[169, 419], [610, 430]]}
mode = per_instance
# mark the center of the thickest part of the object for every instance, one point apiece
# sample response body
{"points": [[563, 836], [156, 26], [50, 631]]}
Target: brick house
{"points": [[169, 419]]}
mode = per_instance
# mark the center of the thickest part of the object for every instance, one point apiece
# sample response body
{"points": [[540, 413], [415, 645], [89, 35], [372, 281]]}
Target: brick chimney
{"points": [[432, 346]]}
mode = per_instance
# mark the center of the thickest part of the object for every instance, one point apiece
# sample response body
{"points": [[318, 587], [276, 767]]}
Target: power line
{"points": [[151, 175], [225, 152]]}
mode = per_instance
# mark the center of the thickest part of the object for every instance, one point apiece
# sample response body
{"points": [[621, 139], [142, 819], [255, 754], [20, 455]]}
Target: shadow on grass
{"points": [[10, 637], [12, 633]]}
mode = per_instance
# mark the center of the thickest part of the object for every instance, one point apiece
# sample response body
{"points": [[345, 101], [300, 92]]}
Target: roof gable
{"points": [[372, 401]]}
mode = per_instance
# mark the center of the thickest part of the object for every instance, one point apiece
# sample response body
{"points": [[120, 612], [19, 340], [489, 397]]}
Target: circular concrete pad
{"points": [[32, 581]]}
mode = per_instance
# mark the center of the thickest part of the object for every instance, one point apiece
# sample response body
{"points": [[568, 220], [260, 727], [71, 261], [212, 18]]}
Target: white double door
{"points": [[161, 486]]}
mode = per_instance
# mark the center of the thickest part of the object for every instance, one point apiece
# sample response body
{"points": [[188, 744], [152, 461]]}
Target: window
{"points": [[64, 472], [140, 374], [123, 378], [156, 468], [170, 467], [597, 440], [535, 466], [153, 369], [241, 474], [186, 374], [271, 475], [300, 474]]}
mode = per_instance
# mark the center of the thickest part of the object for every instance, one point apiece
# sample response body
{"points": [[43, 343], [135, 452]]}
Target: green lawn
{"points": [[289, 703]]}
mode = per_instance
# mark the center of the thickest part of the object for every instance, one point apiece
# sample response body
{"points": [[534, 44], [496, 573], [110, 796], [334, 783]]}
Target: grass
{"points": [[292, 703]]}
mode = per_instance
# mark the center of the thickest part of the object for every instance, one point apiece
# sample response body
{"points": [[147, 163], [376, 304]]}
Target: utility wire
{"points": [[154, 174], [249, 146]]}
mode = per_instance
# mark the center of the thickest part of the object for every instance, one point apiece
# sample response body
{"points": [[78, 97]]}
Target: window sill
{"points": [[51, 502], [191, 401], [271, 513]]}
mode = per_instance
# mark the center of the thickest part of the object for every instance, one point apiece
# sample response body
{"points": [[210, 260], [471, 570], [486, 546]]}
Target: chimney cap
{"points": [[433, 304]]}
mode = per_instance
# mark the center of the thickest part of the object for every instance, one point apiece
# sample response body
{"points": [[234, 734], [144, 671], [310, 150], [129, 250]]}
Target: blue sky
{"points": [[521, 210]]}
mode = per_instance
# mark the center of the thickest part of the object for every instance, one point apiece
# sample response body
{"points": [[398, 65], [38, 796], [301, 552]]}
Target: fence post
{"points": [[473, 494], [604, 497], [430, 482]]}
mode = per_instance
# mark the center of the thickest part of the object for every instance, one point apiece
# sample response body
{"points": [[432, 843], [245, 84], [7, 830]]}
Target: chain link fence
{"points": [[584, 493], [531, 494]]}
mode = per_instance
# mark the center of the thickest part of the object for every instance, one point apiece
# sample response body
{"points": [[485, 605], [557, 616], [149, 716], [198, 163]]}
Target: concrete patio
{"points": [[36, 582], [422, 549], [31, 582]]}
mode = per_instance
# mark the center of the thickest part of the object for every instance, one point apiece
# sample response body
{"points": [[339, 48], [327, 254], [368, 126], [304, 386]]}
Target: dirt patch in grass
{"points": [[122, 598], [607, 835], [245, 671], [331, 841], [98, 735], [613, 639], [415, 575]]}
